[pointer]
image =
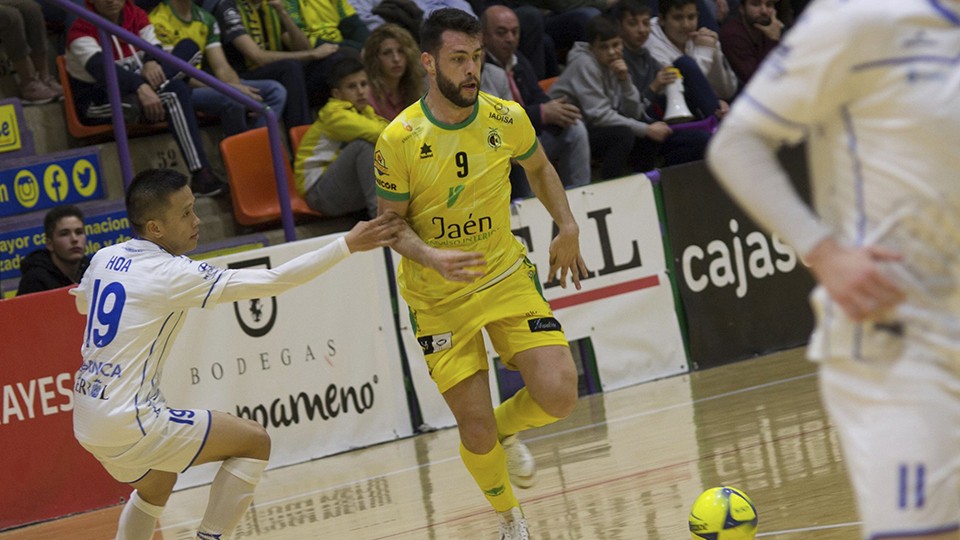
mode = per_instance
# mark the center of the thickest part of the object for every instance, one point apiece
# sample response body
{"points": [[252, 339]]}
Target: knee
{"points": [[478, 435], [259, 442], [558, 395]]}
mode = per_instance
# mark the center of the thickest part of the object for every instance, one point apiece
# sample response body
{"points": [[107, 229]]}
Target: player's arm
{"points": [[565, 248], [743, 157], [452, 264], [259, 283]]}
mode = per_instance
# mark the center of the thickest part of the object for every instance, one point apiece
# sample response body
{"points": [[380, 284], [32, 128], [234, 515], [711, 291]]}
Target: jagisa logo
{"points": [[610, 260], [732, 262], [257, 315]]}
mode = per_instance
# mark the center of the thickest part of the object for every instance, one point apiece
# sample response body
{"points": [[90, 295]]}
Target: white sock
{"points": [[230, 495], [138, 519]]}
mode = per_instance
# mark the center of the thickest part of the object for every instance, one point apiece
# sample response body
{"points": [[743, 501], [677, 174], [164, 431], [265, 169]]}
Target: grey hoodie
{"points": [[604, 100]]}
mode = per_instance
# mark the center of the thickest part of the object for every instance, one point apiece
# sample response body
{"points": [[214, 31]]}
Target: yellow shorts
{"points": [[514, 313]]}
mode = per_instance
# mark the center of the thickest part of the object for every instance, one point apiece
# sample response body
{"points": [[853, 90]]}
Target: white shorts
{"points": [[899, 425], [172, 444]]}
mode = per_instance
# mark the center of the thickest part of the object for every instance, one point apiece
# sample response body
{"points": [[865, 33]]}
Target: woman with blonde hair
{"points": [[392, 60]]}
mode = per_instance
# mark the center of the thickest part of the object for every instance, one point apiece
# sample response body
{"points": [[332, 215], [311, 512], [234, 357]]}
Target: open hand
{"points": [[378, 232], [456, 265]]}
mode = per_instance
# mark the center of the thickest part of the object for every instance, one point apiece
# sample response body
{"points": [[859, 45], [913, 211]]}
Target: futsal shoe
{"points": [[520, 463], [513, 526]]}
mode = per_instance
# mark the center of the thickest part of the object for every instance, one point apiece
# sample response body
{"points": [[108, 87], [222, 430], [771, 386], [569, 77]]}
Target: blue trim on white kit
{"points": [[202, 444], [947, 14], [859, 202], [205, 298], [143, 376]]}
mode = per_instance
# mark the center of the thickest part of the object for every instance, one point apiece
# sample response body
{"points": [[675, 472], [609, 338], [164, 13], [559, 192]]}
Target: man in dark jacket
{"points": [[558, 125], [63, 261]]}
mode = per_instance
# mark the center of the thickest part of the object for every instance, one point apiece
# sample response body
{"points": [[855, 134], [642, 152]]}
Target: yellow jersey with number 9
{"points": [[456, 178]]}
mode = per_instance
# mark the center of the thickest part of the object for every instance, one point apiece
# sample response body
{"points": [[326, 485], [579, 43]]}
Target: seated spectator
{"points": [[750, 35], [675, 33], [557, 122], [392, 60], [149, 94], [710, 13], [652, 78], [24, 39], [622, 137], [329, 21], [262, 42], [63, 261], [332, 167], [177, 20]]}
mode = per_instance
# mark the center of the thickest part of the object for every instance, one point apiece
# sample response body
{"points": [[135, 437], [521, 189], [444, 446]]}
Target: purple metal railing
{"points": [[120, 129]]}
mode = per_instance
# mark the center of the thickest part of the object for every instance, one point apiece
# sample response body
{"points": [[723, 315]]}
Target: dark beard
{"points": [[451, 91]]}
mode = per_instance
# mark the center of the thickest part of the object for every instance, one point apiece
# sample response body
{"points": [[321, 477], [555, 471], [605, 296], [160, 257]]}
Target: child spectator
{"points": [[63, 261], [675, 33], [749, 35], [392, 60], [148, 94], [332, 167], [177, 20], [651, 77], [622, 137], [24, 39]]}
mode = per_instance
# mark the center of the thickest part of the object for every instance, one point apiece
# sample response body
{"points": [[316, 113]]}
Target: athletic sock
{"points": [[520, 412], [489, 471], [138, 519], [230, 495]]}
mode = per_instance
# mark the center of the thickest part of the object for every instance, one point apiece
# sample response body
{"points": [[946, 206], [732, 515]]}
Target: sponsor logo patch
{"points": [[436, 343], [544, 324]]}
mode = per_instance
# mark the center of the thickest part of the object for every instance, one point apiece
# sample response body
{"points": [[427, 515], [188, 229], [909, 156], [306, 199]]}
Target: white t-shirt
{"points": [[135, 296], [873, 86]]}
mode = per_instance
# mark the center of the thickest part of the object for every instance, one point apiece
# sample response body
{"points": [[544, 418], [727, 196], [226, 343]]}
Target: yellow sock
{"points": [[489, 471], [520, 412]]}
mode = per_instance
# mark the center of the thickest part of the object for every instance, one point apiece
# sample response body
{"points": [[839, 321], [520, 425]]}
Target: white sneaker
{"points": [[520, 463], [513, 526]]}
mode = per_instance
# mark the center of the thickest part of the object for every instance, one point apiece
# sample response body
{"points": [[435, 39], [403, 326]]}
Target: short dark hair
{"points": [[343, 69], [441, 20], [667, 5], [57, 213], [149, 195], [624, 8], [601, 28]]}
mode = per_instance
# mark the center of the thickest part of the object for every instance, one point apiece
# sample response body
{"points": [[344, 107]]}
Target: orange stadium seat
{"points": [[252, 185], [100, 131], [545, 84], [296, 135]]}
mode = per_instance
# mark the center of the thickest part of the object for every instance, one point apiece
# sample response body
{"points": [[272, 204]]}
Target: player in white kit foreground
{"points": [[873, 87], [136, 295]]}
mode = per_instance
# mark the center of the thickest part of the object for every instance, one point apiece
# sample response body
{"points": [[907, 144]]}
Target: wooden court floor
{"points": [[626, 465]]}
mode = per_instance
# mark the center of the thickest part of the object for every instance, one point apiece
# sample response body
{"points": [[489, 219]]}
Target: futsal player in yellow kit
{"points": [[444, 165]]}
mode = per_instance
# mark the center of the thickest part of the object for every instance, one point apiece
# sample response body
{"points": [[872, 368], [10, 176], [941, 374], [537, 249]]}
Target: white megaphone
{"points": [[677, 110]]}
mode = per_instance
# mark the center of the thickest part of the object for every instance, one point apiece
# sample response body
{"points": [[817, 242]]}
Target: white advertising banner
{"points": [[626, 305], [318, 366]]}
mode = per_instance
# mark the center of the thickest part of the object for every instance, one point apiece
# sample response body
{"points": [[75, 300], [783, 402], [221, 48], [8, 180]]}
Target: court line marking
{"points": [[543, 437]]}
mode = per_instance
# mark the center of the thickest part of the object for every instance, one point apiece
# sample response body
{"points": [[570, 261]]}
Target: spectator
{"points": [[392, 60], [63, 261], [750, 35], [650, 77], [149, 94], [332, 166], [622, 137], [675, 33], [557, 122], [25, 43], [329, 21], [262, 42], [176, 20]]}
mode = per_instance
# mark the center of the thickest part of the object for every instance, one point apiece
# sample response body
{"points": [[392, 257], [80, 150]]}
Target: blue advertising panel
{"points": [[102, 230], [38, 183]]}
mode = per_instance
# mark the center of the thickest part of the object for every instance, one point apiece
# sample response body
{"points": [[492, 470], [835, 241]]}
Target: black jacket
{"points": [[38, 273]]}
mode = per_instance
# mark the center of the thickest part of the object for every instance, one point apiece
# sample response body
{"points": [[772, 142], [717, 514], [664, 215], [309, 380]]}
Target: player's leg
{"points": [[897, 414], [244, 447], [457, 361], [139, 516]]}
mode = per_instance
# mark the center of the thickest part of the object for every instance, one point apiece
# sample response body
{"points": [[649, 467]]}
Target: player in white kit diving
{"points": [[873, 87], [136, 295]]}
